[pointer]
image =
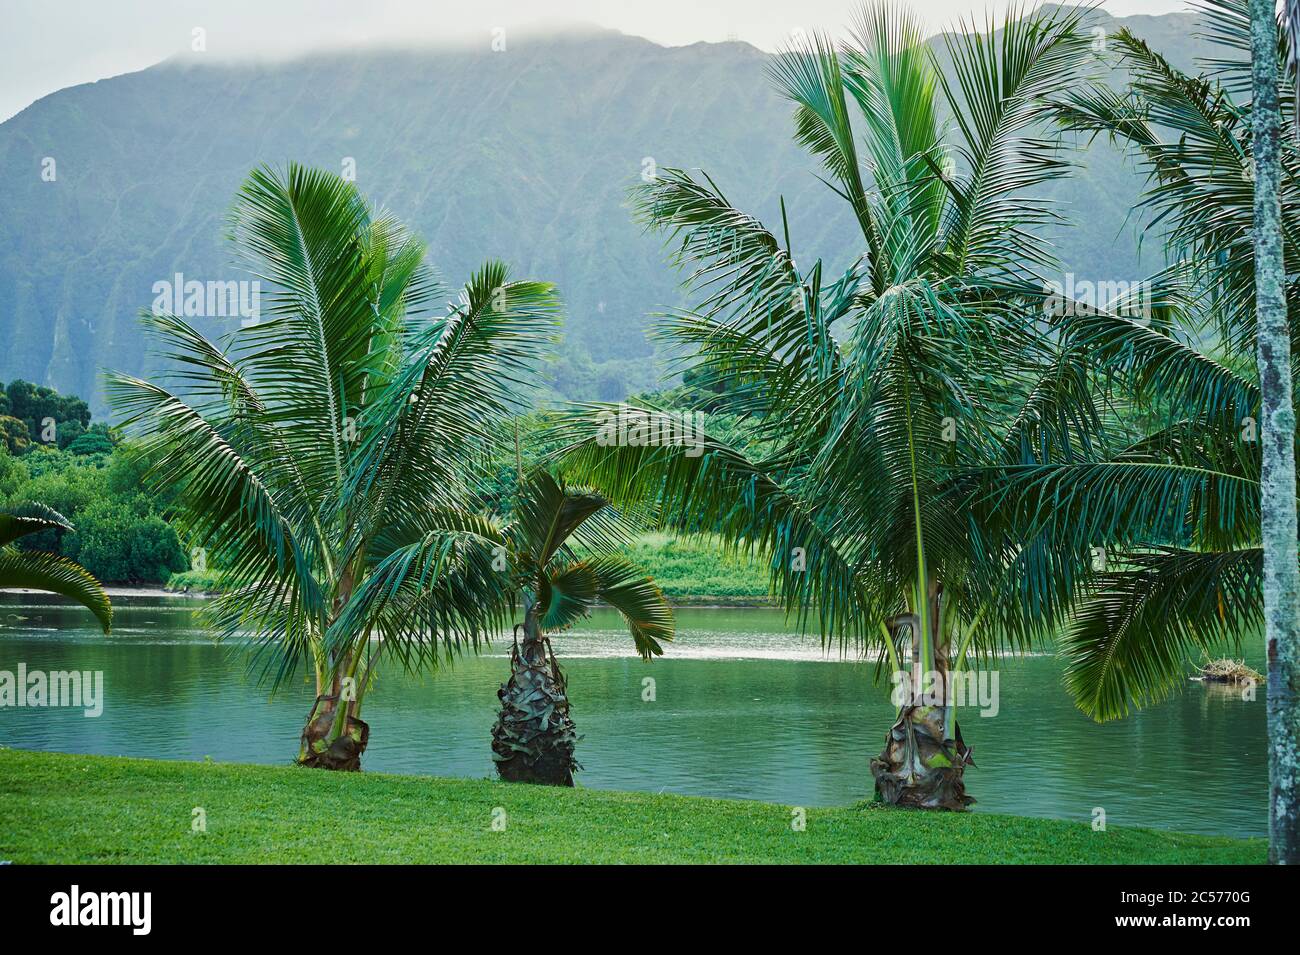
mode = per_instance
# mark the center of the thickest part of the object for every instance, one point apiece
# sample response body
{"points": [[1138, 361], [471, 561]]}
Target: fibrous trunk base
{"points": [[918, 767], [322, 748], [534, 737]]}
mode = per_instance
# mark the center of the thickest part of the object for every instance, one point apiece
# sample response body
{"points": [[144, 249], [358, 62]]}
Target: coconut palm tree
{"points": [[1222, 165], [48, 572], [326, 457], [534, 736], [875, 392]]}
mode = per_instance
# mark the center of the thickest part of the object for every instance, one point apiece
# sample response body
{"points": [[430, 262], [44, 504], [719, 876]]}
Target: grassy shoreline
{"points": [[690, 571], [62, 808], [681, 601]]}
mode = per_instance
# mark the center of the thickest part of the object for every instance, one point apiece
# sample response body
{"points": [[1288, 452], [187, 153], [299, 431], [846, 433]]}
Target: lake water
{"points": [[741, 709]]}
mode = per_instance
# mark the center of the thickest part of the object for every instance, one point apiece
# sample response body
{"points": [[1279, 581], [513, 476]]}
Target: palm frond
{"points": [[1001, 92], [1131, 640], [300, 231], [429, 598], [891, 75], [548, 513], [463, 377], [29, 518], [221, 504], [707, 487], [56, 575], [567, 595], [638, 598], [810, 76]]}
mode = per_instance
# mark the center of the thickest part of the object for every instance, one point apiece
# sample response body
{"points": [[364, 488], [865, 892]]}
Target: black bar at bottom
{"points": [[210, 904]]}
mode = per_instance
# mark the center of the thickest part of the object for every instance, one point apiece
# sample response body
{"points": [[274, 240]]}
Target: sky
{"points": [[46, 45]]}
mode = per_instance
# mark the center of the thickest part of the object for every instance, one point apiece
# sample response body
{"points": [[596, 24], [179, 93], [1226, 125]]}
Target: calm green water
{"points": [[742, 709]]}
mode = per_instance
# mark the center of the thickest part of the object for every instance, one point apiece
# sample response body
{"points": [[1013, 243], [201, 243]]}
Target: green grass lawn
{"points": [[56, 807]]}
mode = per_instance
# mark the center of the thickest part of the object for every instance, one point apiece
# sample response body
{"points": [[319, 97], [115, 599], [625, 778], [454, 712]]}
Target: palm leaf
{"points": [[567, 595], [1131, 640], [638, 598], [1001, 90], [57, 575], [548, 513], [30, 518]]}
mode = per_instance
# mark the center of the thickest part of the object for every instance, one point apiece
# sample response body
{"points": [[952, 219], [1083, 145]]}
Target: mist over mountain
{"points": [[526, 155]]}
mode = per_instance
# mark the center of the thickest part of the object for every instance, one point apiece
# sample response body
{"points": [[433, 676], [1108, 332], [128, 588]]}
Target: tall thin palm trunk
{"points": [[1277, 434]]}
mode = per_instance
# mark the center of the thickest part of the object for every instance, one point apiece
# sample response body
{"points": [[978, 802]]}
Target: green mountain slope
{"points": [[525, 154]]}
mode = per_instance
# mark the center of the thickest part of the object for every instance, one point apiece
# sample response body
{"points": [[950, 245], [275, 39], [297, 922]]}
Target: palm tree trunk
{"points": [[921, 766], [334, 736], [1277, 436], [330, 743], [534, 737]]}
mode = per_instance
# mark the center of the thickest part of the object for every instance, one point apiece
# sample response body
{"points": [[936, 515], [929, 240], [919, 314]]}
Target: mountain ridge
{"points": [[525, 155]]}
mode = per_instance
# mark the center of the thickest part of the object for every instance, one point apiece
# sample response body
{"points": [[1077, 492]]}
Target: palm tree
{"points": [[534, 736], [326, 458], [874, 392], [1223, 189], [48, 572]]}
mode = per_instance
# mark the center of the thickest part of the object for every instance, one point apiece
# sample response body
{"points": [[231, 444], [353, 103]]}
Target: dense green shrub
{"points": [[14, 436], [45, 412], [91, 442], [121, 536], [117, 543]]}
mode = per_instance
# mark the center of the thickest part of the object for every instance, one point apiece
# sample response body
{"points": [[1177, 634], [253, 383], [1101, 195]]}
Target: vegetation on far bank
{"points": [[86, 472], [51, 453], [689, 570], [692, 571], [59, 808]]}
